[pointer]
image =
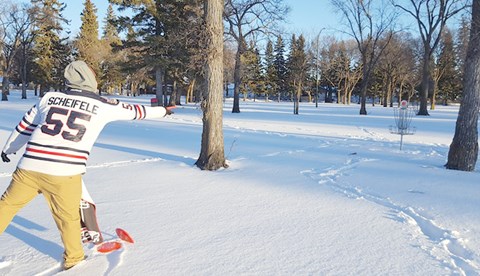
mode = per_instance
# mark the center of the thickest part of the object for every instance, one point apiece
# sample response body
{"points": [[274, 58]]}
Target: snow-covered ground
{"points": [[326, 192]]}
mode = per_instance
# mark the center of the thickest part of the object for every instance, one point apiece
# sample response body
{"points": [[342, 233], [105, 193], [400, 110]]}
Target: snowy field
{"points": [[326, 192]]}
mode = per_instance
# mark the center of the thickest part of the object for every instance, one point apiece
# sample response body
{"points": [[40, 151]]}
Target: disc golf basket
{"points": [[403, 117]]}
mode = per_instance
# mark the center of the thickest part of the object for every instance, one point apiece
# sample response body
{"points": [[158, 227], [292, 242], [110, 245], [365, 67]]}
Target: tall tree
{"points": [[280, 66], [110, 70], [63, 56], [407, 67], [15, 23], [350, 71], [270, 72], [463, 152], [48, 19], [246, 18], [165, 32], [431, 17], [330, 66], [252, 77], [314, 52], [446, 71], [338, 69], [461, 45], [228, 65], [369, 22], [392, 67], [212, 155], [145, 40], [297, 69], [87, 43], [24, 57]]}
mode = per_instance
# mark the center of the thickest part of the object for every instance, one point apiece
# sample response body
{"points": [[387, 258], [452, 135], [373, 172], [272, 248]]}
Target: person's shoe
{"points": [[70, 265]]}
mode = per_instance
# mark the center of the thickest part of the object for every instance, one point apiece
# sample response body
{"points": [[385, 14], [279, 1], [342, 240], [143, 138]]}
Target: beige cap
{"points": [[79, 75]]}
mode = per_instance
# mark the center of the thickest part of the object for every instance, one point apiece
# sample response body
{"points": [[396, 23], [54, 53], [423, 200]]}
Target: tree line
{"points": [[162, 47], [159, 43]]}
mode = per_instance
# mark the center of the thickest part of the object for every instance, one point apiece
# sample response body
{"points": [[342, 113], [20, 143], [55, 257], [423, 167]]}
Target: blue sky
{"points": [[75, 8], [311, 16], [306, 16]]}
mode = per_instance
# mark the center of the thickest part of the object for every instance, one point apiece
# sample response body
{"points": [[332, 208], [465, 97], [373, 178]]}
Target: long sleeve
{"points": [[125, 111], [22, 132]]}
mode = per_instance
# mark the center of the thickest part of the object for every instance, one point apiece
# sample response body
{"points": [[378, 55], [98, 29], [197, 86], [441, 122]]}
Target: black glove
{"points": [[168, 110], [5, 157]]}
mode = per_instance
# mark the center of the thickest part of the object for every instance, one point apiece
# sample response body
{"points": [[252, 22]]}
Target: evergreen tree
{"points": [[63, 56], [248, 62], [297, 70], [280, 68], [270, 72], [258, 73], [87, 43], [290, 70], [132, 65], [110, 32], [461, 45], [228, 69], [111, 74], [49, 19], [252, 77], [448, 88], [166, 33]]}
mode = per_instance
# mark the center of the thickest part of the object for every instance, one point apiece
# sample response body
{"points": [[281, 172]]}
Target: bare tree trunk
{"points": [[400, 92], [159, 85], [174, 96], [5, 84], [463, 151], [212, 155], [364, 86], [43, 89], [237, 79], [24, 72], [296, 97], [424, 86], [363, 98], [433, 100], [385, 93], [391, 91], [189, 97]]}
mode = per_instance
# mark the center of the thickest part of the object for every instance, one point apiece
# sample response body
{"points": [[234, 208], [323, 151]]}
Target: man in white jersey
{"points": [[59, 132]]}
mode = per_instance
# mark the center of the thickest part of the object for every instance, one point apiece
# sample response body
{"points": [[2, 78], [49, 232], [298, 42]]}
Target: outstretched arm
{"points": [[125, 111]]}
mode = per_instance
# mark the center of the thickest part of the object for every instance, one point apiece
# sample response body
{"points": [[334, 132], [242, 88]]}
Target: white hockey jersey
{"points": [[62, 127]]}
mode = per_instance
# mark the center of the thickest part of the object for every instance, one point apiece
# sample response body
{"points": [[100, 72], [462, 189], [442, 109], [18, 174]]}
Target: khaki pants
{"points": [[62, 194]]}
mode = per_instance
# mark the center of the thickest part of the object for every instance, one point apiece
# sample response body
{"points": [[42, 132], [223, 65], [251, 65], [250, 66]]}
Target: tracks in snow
{"points": [[97, 263], [110, 164], [51, 271], [445, 245]]}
